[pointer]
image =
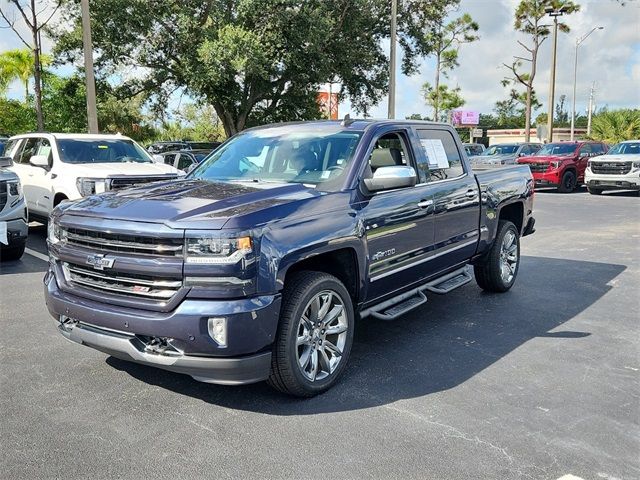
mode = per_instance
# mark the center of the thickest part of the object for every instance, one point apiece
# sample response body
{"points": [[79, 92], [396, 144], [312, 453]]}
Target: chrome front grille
{"points": [[120, 243], [119, 283], [116, 183], [538, 167], [3, 194], [611, 168]]}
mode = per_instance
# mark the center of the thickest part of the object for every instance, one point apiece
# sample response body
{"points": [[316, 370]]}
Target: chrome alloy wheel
{"points": [[508, 257], [322, 334]]}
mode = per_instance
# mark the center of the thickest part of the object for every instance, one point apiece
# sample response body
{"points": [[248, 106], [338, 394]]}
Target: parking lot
{"points": [[539, 383]]}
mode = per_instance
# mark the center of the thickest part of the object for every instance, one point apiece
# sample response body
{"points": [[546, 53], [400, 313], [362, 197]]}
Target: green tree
{"points": [[442, 39], [193, 122], [446, 99], [16, 117], [35, 17], [513, 108], [615, 126], [530, 18], [562, 115], [17, 64], [253, 61]]}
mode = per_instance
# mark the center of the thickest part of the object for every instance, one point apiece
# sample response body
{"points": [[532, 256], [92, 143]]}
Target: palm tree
{"points": [[18, 65], [616, 125]]}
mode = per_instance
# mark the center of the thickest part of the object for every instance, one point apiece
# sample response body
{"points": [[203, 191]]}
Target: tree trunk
{"points": [[37, 77], [527, 115], [436, 106]]}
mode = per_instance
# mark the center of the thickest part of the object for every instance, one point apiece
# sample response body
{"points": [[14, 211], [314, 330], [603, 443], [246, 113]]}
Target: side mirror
{"points": [[39, 161], [389, 178], [522, 154], [6, 162], [158, 158]]}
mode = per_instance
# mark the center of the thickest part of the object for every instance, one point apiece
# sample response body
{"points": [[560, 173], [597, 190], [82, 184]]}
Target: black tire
{"points": [[488, 271], [14, 252], [568, 182], [286, 374], [594, 191]]}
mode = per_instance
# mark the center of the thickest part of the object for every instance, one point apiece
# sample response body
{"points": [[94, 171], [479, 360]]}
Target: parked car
{"points": [[473, 149], [13, 214], [3, 142], [162, 147], [257, 264], [562, 165], [184, 160], [619, 169], [505, 154], [54, 167]]}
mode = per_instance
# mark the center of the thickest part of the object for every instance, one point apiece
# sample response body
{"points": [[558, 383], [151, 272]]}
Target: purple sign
{"points": [[465, 118]]}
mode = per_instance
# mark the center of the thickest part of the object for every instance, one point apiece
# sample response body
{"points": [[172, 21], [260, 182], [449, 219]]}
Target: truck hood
{"points": [[544, 158], [105, 170], [493, 158], [189, 203], [6, 174], [616, 158]]}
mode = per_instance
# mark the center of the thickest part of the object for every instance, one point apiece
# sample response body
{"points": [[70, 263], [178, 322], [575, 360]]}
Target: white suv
{"points": [[619, 169], [58, 166]]}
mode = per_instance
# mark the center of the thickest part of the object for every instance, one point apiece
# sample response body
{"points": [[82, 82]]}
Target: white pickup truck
{"points": [[67, 166], [619, 169]]}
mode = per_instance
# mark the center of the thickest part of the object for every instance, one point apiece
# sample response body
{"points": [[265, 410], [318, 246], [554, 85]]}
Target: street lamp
{"points": [[554, 13], [575, 75]]}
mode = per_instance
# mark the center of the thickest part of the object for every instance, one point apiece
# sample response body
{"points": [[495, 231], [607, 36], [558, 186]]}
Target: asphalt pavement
{"points": [[541, 382]]}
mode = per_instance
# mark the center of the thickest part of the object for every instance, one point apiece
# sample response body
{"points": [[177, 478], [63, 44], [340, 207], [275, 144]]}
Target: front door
{"points": [[398, 223]]}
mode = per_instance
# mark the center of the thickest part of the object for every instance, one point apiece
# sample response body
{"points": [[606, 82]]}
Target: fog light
{"points": [[218, 330]]}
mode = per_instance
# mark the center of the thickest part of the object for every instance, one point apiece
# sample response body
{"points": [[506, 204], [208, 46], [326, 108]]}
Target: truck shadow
{"points": [[432, 349]]}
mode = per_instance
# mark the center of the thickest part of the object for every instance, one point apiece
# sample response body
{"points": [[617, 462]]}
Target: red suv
{"points": [[562, 164]]}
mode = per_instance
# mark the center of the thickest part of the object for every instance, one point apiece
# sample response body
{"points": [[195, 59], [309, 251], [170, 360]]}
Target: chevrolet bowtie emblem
{"points": [[99, 262]]}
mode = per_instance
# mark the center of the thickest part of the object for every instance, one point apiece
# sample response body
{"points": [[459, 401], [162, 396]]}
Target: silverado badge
{"points": [[98, 262]]}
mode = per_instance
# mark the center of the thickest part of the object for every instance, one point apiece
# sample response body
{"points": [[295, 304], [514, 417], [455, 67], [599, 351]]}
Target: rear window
{"points": [[101, 151]]}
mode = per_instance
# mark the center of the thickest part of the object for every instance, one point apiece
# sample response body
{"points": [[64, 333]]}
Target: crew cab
{"points": [[257, 264], [619, 169], [61, 166], [562, 165], [13, 214]]}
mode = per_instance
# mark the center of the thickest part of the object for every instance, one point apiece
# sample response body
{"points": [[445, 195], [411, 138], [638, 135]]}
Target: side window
{"points": [[184, 162], [8, 147], [442, 154], [29, 149], [44, 148], [169, 158], [389, 151], [585, 150]]}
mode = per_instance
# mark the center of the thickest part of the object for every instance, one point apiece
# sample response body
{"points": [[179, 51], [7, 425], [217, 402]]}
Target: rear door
{"points": [[399, 225], [455, 195]]}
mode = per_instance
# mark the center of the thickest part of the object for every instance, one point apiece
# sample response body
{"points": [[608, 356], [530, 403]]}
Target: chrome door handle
{"points": [[425, 203]]}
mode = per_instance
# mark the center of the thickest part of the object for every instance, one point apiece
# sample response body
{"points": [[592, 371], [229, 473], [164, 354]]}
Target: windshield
{"points": [[557, 149], [627, 148], [501, 150], [282, 154], [101, 151]]}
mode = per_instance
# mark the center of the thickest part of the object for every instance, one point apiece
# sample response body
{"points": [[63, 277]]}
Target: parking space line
{"points": [[38, 255]]}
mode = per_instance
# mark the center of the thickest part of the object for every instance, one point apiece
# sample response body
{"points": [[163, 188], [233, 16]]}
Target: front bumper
{"points": [[629, 181], [547, 179], [127, 334], [17, 226]]}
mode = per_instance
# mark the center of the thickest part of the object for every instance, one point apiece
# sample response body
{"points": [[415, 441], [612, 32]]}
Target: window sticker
{"points": [[44, 150], [435, 152]]}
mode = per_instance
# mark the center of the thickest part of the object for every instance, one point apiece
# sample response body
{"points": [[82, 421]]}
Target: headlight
{"points": [[89, 186], [635, 165], [556, 163], [53, 232], [14, 187], [216, 250]]}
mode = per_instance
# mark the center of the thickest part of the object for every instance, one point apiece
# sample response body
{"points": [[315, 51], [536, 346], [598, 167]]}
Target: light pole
{"points": [[575, 76], [391, 111], [554, 13], [92, 113]]}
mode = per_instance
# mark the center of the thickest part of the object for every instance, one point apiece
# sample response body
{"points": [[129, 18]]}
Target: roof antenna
{"points": [[347, 120]]}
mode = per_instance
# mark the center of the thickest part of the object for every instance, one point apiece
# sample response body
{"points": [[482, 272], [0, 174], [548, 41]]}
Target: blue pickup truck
{"points": [[257, 265]]}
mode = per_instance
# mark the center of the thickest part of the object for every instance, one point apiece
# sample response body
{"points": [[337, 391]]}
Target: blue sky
{"points": [[609, 57]]}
